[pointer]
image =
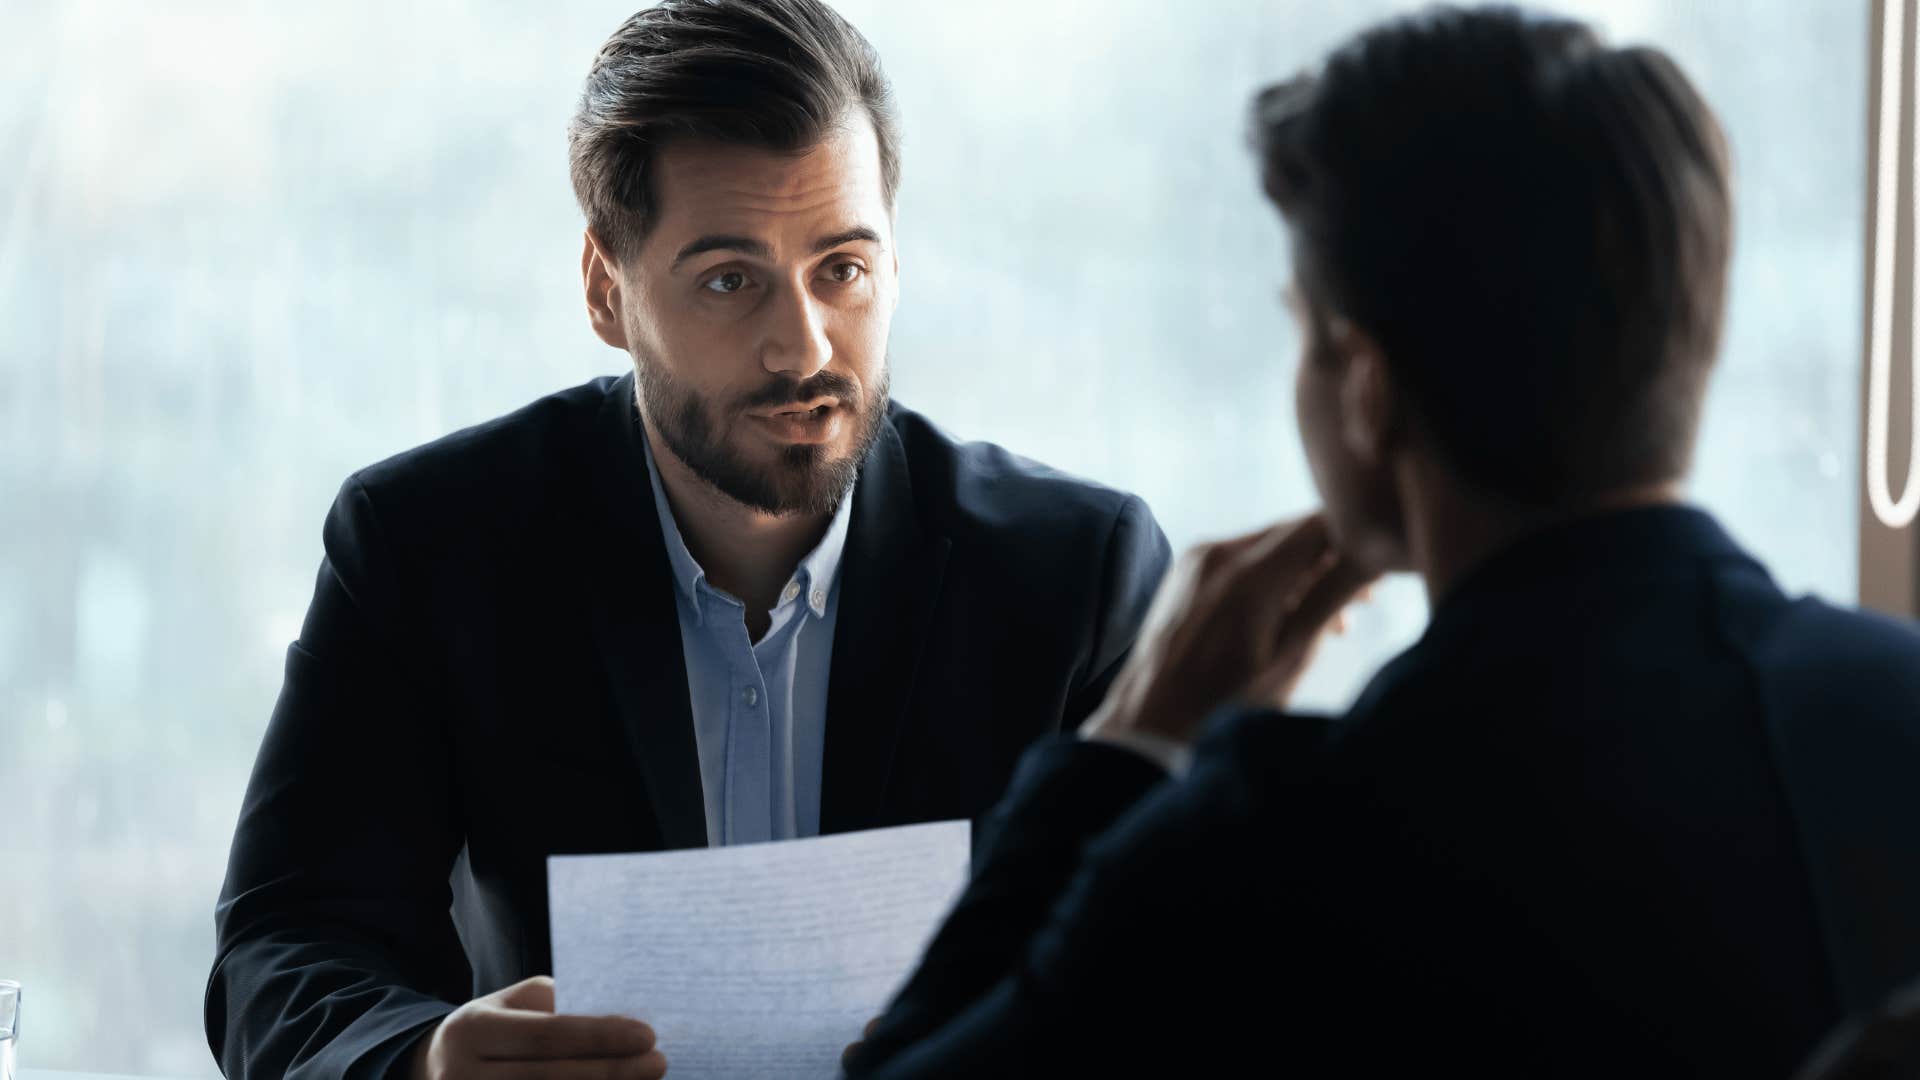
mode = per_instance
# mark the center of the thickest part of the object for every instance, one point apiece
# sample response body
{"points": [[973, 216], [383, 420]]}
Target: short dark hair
{"points": [[1534, 225], [773, 74]]}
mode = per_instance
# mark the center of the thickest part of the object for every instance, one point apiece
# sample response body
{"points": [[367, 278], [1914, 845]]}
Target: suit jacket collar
{"points": [[1539, 569], [890, 578], [890, 572], [637, 627]]}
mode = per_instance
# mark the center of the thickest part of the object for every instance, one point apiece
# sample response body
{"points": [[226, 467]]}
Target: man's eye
{"points": [[846, 273], [728, 283]]}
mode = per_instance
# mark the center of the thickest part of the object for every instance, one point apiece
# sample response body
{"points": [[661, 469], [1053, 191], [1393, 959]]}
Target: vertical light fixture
{"points": [[1894, 512]]}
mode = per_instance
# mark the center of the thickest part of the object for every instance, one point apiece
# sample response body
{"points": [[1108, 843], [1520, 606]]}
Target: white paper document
{"points": [[763, 960]]}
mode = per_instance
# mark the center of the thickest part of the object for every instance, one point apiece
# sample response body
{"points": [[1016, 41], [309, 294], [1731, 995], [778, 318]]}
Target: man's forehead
{"points": [[703, 185]]}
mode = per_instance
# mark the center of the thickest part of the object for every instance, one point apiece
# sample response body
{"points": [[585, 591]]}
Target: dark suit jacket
{"points": [[491, 673], [1624, 810]]}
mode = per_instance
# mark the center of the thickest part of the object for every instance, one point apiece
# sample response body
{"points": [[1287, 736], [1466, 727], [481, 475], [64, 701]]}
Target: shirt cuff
{"points": [[1173, 755]]}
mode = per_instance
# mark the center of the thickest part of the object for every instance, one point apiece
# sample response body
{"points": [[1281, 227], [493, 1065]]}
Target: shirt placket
{"points": [[774, 658], [749, 761]]}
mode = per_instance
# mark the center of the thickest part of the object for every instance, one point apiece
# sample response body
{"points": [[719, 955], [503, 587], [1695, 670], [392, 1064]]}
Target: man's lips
{"points": [[798, 408], [812, 422]]}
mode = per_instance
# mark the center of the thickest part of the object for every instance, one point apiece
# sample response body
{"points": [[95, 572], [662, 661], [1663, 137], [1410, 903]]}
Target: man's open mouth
{"points": [[801, 410]]}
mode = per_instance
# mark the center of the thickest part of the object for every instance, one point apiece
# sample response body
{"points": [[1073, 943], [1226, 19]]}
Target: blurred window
{"points": [[247, 248]]}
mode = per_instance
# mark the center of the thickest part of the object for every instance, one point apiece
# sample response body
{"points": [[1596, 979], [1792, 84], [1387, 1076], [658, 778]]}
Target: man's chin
{"points": [[808, 472], [756, 442], [796, 479]]}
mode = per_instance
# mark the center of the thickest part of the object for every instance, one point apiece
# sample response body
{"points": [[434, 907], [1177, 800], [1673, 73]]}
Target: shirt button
{"points": [[792, 590], [750, 696], [819, 598]]}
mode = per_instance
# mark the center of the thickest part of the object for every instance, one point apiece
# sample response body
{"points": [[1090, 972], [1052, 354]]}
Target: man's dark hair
{"points": [[1533, 224], [773, 74]]}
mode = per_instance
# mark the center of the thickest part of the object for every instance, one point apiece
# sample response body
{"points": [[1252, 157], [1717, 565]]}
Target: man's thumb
{"points": [[533, 995]]}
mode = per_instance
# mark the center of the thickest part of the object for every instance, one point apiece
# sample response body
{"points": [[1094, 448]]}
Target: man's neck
{"points": [[746, 552], [1453, 528]]}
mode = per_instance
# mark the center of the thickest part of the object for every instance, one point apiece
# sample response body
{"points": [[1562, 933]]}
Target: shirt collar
{"points": [[814, 575], [1517, 591], [687, 573], [817, 570]]}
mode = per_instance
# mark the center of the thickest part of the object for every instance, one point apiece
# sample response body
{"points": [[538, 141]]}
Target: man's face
{"points": [[1357, 489], [757, 313]]}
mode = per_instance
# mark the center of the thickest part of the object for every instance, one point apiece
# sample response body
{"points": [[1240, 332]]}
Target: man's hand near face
{"points": [[513, 1033], [1235, 621]]}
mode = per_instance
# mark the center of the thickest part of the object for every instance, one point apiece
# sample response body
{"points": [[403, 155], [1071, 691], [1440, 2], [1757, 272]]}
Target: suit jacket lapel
{"points": [[890, 580], [637, 629]]}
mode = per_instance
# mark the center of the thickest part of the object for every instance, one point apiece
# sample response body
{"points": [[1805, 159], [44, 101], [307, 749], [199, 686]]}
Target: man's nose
{"points": [[796, 342]]}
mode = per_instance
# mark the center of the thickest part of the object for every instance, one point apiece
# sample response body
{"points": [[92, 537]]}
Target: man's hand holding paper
{"points": [[761, 960], [514, 1033]]}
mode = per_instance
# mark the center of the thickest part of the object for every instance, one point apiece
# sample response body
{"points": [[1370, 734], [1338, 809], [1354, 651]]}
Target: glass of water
{"points": [[9, 1025]]}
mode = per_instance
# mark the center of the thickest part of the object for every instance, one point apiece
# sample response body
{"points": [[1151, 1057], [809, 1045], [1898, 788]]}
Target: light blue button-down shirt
{"points": [[759, 708]]}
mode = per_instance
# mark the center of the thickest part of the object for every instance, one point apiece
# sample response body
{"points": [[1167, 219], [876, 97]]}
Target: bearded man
{"points": [[734, 595]]}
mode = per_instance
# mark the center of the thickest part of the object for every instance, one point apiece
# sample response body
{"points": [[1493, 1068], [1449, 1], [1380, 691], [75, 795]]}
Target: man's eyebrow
{"points": [[745, 245], [858, 232]]}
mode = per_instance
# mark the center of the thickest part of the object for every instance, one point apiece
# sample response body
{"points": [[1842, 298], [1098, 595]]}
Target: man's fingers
{"points": [[522, 1026], [1320, 604], [1296, 633], [535, 993], [846, 1056], [1284, 543], [650, 1066], [1279, 569], [1261, 537], [1269, 568], [1273, 687], [509, 1034], [1294, 545]]}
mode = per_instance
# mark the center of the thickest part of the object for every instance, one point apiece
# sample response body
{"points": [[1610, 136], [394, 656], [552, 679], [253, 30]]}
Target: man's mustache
{"points": [[794, 391]]}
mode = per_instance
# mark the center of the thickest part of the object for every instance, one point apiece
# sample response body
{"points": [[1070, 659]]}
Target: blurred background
{"points": [[248, 246]]}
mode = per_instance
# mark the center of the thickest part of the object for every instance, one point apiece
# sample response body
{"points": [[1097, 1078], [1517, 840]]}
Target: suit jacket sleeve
{"points": [[335, 948], [1137, 556], [1094, 888]]}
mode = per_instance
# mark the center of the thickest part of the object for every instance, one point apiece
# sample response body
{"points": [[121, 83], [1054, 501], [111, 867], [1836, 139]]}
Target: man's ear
{"points": [[1370, 412], [599, 274]]}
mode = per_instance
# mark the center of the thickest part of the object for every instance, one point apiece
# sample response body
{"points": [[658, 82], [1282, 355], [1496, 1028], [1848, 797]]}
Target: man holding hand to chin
{"points": [[1624, 810]]}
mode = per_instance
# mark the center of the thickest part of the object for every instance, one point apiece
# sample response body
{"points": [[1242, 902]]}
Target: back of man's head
{"points": [[1534, 226], [770, 74]]}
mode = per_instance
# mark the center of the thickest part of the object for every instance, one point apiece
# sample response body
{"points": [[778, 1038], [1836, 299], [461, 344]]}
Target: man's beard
{"points": [[802, 479]]}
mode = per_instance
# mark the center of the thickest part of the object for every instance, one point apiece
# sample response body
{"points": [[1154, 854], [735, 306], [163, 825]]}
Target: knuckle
{"points": [[456, 1029], [641, 1036], [1190, 557], [1211, 558]]}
